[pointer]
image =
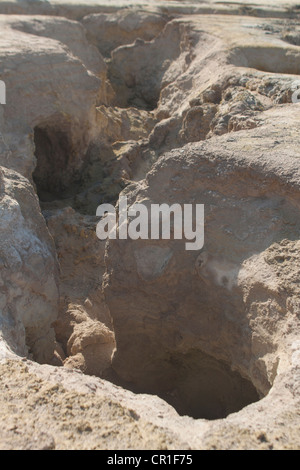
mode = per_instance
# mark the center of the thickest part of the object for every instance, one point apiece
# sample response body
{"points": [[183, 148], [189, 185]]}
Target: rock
{"points": [[193, 103], [90, 348], [119, 124], [109, 31], [69, 33], [29, 271], [83, 327], [138, 71], [174, 310], [55, 110], [81, 412]]}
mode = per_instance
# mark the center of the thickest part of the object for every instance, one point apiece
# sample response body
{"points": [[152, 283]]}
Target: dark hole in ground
{"points": [[53, 152], [63, 175], [132, 92], [197, 385], [205, 387]]}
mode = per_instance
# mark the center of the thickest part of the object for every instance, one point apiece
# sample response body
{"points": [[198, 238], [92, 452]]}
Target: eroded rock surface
{"points": [[29, 271], [169, 102], [109, 31], [181, 301]]}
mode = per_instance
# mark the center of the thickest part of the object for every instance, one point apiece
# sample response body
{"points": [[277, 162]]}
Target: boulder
{"points": [[185, 320], [29, 272]]}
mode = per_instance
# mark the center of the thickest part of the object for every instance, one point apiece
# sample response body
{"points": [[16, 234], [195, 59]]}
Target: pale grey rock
{"points": [[50, 89], [29, 271]]}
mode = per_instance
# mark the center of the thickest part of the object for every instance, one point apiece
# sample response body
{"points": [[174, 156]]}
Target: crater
{"points": [[200, 386], [207, 388]]}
